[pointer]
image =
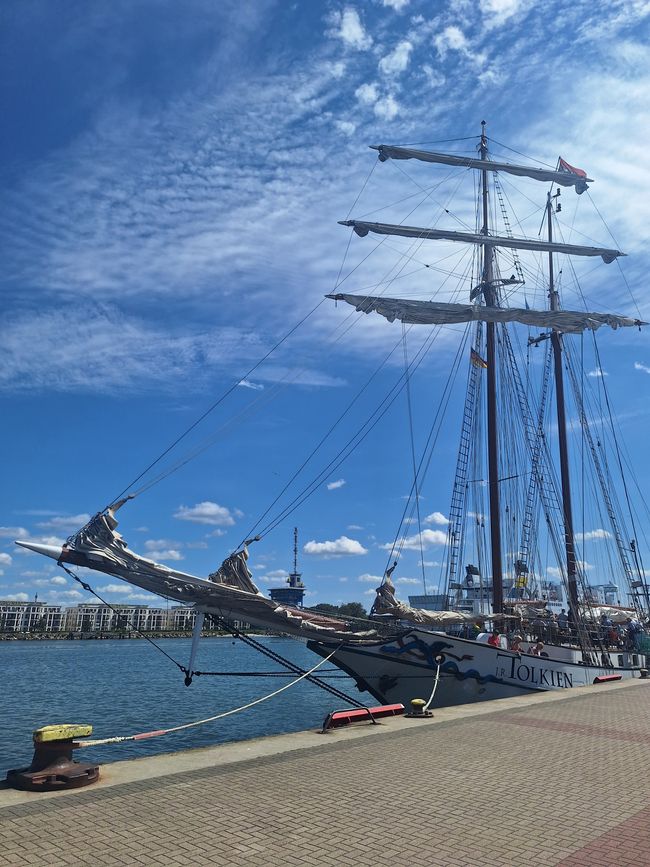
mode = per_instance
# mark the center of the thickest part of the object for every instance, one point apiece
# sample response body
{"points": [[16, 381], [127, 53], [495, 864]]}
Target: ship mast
{"points": [[556, 343], [489, 294]]}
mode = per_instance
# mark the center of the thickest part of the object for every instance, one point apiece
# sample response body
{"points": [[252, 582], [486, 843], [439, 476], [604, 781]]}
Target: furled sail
{"points": [[438, 313], [386, 603], [362, 228], [565, 178], [229, 592]]}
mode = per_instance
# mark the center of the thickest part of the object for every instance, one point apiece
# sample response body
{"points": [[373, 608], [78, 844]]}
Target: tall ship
{"points": [[503, 621]]}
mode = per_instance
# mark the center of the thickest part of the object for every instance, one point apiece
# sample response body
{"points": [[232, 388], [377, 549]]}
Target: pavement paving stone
{"points": [[547, 784]]}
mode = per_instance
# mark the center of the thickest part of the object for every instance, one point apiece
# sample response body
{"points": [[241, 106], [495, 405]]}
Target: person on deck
{"points": [[495, 638], [516, 644], [536, 649], [633, 632]]}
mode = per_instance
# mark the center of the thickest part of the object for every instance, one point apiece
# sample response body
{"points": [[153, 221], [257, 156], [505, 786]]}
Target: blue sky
{"points": [[172, 176]]}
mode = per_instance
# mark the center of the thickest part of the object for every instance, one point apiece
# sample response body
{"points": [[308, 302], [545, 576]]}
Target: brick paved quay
{"points": [[559, 779]]}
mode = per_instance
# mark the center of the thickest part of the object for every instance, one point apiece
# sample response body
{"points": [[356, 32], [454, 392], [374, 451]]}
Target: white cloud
{"points": [[643, 367], [348, 27], [555, 572], [341, 547], [367, 94], [386, 108], [397, 60], [436, 518], [278, 573], [345, 126], [160, 555], [5, 559], [157, 544], [65, 595], [63, 523], [598, 372], [397, 5], [423, 540], [497, 12], [115, 588], [216, 534], [372, 579], [245, 383], [409, 581], [333, 486], [434, 77], [18, 597], [209, 513], [451, 38], [13, 533], [593, 534], [58, 579], [354, 527]]}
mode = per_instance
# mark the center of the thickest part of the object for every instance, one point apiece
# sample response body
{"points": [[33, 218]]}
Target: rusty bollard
{"points": [[52, 767]]}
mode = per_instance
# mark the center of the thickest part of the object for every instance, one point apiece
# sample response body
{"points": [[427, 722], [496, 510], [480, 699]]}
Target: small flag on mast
{"points": [[476, 359], [563, 166]]}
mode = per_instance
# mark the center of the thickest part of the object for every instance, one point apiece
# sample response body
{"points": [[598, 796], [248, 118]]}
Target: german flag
{"points": [[476, 359]]}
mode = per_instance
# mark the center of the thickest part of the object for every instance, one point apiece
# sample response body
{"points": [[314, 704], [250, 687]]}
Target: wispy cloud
{"points": [[63, 523], [334, 486], [13, 533], [370, 579]]}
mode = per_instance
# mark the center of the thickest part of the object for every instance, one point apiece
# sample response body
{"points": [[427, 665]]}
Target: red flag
{"points": [[563, 166]]}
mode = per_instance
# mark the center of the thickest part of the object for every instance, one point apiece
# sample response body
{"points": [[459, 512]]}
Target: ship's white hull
{"points": [[404, 668]]}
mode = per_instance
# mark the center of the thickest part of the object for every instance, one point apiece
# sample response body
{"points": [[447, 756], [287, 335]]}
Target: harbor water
{"points": [[125, 687]]}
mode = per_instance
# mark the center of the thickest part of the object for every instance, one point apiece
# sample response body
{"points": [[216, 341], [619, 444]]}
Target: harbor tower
{"points": [[294, 592]]}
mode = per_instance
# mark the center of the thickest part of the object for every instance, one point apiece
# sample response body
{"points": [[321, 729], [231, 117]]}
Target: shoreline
{"points": [[111, 636]]}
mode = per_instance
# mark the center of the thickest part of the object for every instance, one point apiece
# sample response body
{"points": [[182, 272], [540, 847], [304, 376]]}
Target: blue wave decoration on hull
{"points": [[434, 655]]}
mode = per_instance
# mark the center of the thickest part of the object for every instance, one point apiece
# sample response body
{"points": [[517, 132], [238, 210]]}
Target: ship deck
{"points": [[552, 779]]}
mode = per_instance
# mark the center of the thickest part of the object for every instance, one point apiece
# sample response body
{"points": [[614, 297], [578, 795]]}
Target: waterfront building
{"points": [[97, 617], [30, 616]]}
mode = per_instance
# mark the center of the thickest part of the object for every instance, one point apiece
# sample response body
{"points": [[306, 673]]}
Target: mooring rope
{"points": [[157, 733], [433, 691]]}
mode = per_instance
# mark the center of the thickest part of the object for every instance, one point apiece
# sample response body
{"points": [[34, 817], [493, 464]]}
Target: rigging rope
{"points": [[415, 472], [217, 402], [159, 732], [118, 614], [281, 660]]}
